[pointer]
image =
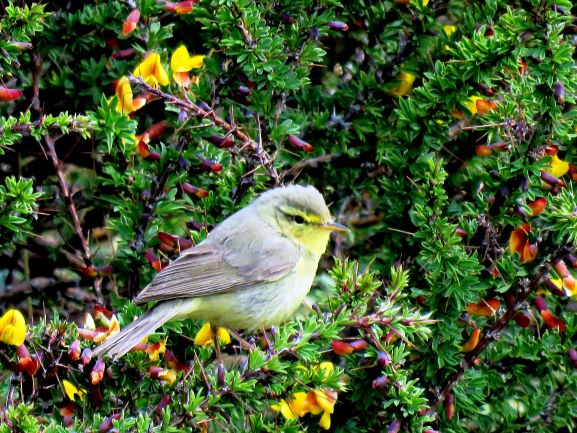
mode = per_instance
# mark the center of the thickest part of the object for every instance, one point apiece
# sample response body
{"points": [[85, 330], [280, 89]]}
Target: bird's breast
{"points": [[263, 305]]}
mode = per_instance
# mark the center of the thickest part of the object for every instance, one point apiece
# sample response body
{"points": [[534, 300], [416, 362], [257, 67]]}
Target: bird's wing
{"points": [[222, 266]]}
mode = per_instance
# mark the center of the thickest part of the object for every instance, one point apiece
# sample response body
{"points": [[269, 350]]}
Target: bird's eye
{"points": [[297, 219]]}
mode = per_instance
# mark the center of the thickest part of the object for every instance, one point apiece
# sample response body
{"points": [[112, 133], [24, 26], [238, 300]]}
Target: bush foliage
{"points": [[440, 131]]}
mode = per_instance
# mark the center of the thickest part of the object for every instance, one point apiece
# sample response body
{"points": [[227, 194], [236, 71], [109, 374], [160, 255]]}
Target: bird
{"points": [[252, 271]]}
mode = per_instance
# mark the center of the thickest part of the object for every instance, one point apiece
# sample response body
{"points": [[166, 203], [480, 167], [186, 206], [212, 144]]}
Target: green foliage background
{"points": [[431, 218]]}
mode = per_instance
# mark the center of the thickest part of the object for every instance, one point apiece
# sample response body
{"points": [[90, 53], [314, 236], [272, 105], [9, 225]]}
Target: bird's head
{"points": [[299, 213]]}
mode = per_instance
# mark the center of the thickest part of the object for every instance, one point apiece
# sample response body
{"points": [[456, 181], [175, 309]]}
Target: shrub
{"points": [[441, 132]]}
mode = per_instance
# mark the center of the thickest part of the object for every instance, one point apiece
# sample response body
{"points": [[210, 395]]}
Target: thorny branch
{"points": [[492, 332], [250, 149], [53, 156]]}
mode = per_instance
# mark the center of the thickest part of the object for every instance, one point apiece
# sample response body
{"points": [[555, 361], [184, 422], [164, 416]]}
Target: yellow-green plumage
{"points": [[252, 271]]}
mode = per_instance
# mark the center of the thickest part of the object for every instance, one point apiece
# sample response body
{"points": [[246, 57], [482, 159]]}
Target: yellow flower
{"points": [[125, 103], [325, 367], [204, 336], [404, 86], [558, 167], [296, 407], [325, 399], [155, 350], [71, 391], [169, 376], [325, 421], [12, 328], [471, 103], [181, 63], [152, 71], [314, 402], [113, 329], [449, 29], [425, 2]]}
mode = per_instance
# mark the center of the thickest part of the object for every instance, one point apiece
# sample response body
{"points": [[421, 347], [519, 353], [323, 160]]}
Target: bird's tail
{"points": [[117, 345]]}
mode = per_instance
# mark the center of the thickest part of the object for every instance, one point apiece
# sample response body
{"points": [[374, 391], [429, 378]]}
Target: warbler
{"points": [[252, 271]]}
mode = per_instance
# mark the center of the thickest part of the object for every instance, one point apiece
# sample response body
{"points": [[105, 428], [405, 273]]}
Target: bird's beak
{"points": [[334, 227]]}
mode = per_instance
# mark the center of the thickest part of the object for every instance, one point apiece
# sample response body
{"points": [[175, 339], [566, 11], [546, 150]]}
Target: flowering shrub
{"points": [[440, 132]]}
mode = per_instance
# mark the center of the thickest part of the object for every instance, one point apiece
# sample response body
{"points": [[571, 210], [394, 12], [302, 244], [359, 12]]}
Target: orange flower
{"points": [[130, 23], [485, 308], [537, 206], [181, 63], [478, 105], [569, 282], [473, 340], [181, 8], [12, 328], [520, 243], [125, 103], [152, 71]]}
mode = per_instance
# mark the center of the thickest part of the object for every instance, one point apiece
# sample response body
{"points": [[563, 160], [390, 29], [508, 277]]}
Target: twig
{"points": [[491, 333], [53, 156], [250, 148], [296, 169]]}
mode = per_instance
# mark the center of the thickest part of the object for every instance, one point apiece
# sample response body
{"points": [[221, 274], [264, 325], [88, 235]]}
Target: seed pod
{"points": [[338, 25], [105, 270], [550, 179], [86, 356], [130, 23], [287, 18], [572, 260], [193, 191], [194, 225], [560, 93], [21, 46], [450, 406], [358, 345], [243, 90], [314, 33], [299, 144], [210, 166], [221, 374], [7, 94], [153, 260], [154, 156], [573, 356], [522, 320], [341, 347], [125, 54], [383, 359], [222, 142], [540, 303], [394, 427], [381, 382], [74, 351]]}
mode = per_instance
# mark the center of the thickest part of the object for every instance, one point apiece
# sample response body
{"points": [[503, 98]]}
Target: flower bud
{"points": [[338, 25]]}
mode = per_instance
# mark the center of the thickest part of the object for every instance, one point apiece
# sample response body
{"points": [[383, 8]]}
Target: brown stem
{"points": [[491, 332], [53, 156]]}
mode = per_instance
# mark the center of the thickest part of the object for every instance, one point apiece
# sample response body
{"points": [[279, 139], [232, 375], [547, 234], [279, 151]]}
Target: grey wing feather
{"points": [[222, 265]]}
